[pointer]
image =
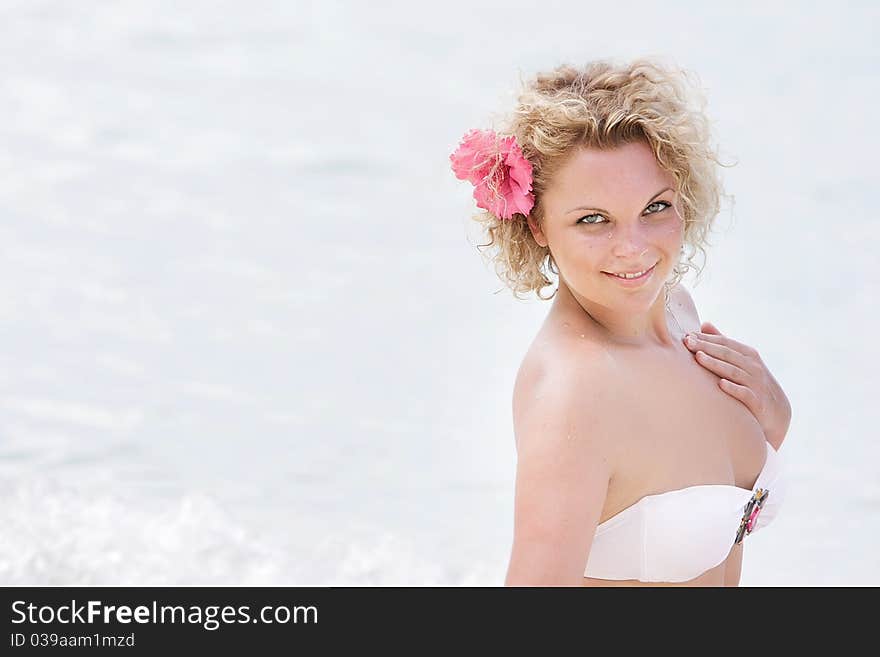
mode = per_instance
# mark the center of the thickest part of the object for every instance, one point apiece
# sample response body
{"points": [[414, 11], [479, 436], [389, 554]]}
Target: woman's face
{"points": [[608, 212]]}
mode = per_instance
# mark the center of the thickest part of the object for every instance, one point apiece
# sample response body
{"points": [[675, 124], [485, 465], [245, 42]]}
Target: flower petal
{"points": [[473, 158], [501, 175]]}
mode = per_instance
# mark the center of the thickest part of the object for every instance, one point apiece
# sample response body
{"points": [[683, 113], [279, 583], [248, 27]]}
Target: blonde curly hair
{"points": [[604, 105]]}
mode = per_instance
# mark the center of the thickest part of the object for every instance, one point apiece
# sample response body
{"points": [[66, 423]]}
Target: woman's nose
{"points": [[629, 241]]}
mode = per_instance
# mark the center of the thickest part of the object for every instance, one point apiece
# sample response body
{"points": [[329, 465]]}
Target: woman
{"points": [[642, 458]]}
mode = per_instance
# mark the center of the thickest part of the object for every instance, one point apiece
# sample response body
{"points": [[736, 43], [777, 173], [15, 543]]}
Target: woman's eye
{"points": [[591, 223], [599, 219], [664, 205]]}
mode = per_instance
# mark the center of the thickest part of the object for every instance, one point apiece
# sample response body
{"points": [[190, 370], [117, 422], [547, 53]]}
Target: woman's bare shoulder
{"points": [[683, 304], [556, 376], [551, 358]]}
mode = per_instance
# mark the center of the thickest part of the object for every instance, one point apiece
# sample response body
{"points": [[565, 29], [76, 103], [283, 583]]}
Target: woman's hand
{"points": [[744, 377]]}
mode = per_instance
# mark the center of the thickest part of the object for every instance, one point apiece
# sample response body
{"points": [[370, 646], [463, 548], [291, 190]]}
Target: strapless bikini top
{"points": [[678, 535]]}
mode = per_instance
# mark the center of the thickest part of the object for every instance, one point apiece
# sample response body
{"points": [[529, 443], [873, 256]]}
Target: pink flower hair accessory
{"points": [[500, 173]]}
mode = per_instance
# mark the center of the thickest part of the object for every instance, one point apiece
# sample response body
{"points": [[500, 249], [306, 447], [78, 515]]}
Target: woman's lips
{"points": [[632, 282]]}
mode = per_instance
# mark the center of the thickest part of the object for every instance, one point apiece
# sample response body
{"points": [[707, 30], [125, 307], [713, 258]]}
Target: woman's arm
{"points": [[562, 477]]}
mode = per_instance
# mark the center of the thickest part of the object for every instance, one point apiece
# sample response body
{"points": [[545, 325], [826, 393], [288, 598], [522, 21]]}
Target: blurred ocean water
{"points": [[248, 338]]}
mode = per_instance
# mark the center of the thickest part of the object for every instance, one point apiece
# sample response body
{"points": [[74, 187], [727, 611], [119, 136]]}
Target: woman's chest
{"points": [[678, 428]]}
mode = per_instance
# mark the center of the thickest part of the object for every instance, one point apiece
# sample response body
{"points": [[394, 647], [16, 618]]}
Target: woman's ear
{"points": [[537, 233]]}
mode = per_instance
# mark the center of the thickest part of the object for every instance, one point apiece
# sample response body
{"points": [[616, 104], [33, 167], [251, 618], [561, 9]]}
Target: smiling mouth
{"points": [[629, 277]]}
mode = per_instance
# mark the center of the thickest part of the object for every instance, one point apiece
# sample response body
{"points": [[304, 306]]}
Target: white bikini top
{"points": [[680, 534]]}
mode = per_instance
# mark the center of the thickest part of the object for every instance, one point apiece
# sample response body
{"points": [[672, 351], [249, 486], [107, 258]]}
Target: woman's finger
{"points": [[743, 393], [720, 351], [744, 349], [722, 368]]}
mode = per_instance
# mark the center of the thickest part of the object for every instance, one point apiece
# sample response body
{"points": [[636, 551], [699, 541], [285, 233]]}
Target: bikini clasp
{"points": [[751, 513]]}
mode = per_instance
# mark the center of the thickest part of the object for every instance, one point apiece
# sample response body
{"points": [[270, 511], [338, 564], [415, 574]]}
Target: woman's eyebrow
{"points": [[587, 207]]}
